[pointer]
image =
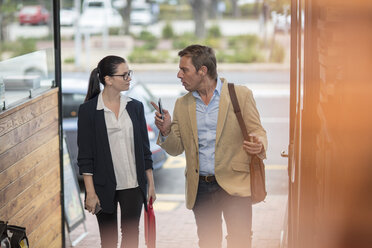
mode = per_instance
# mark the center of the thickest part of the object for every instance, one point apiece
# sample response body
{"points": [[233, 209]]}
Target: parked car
{"points": [[144, 13], [73, 94], [35, 15], [68, 17], [98, 14]]}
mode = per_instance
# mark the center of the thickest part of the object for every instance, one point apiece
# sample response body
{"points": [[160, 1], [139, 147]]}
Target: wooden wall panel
{"points": [[20, 134], [19, 151], [15, 205], [31, 207], [48, 224], [41, 214], [30, 184], [18, 116], [26, 163], [26, 181], [53, 234]]}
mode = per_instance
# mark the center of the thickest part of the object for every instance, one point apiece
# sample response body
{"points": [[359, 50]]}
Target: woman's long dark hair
{"points": [[106, 67]]}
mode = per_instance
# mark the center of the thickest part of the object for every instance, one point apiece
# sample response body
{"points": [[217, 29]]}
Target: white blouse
{"points": [[121, 140]]}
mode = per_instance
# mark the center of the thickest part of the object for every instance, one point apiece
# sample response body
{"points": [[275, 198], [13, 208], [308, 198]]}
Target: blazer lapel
{"points": [[192, 114], [101, 130], [223, 108]]}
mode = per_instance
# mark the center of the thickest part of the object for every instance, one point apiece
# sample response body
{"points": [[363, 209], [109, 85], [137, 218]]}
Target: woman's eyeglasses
{"points": [[125, 76]]}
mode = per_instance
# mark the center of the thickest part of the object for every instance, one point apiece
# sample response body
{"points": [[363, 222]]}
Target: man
{"points": [[217, 157]]}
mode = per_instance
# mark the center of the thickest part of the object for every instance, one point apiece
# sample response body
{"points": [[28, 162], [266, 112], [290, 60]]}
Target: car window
{"points": [[29, 10], [139, 9], [71, 103], [140, 93], [96, 4]]}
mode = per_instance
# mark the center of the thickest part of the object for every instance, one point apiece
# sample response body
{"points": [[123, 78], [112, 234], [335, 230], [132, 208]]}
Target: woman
{"points": [[114, 153]]}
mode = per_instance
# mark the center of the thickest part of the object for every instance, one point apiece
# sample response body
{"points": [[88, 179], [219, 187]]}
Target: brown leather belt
{"points": [[207, 179]]}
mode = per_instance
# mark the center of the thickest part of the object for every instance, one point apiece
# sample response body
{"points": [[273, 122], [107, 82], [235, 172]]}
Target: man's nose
{"points": [[179, 74]]}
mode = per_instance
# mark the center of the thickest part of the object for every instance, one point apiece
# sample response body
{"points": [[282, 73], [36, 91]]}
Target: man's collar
{"points": [[217, 89]]}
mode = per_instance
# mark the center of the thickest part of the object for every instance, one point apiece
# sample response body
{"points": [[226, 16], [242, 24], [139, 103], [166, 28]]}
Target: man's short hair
{"points": [[201, 55]]}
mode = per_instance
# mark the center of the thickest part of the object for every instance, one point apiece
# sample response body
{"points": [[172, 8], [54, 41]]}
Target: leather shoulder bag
{"points": [[256, 166]]}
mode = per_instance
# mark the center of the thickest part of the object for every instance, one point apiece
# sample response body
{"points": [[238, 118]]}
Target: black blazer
{"points": [[94, 154]]}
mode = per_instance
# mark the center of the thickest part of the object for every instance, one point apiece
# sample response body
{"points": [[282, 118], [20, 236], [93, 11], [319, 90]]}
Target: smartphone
{"points": [[98, 209], [161, 109]]}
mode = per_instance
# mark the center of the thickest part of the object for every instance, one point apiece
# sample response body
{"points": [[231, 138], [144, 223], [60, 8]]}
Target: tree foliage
{"points": [[7, 10], [279, 6]]}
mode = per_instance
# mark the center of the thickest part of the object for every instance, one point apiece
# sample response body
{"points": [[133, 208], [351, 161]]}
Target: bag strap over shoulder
{"points": [[238, 113]]}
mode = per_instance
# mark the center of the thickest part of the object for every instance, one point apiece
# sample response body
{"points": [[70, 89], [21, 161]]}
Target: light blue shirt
{"points": [[206, 118]]}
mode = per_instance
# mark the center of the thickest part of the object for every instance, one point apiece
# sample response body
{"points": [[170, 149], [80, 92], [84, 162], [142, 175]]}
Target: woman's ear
{"points": [[107, 80]]}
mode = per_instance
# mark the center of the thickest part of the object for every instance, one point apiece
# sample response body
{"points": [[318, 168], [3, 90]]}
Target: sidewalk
{"points": [[176, 225]]}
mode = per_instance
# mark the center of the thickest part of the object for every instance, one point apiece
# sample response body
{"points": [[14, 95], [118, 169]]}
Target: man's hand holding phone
{"points": [[162, 118], [161, 109]]}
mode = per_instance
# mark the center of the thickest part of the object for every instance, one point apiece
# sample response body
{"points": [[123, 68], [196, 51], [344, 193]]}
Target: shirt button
{"points": [[196, 170]]}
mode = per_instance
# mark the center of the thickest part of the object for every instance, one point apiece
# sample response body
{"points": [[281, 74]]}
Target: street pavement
{"points": [[176, 226]]}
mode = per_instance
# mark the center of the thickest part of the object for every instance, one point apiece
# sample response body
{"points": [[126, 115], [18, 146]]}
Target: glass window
{"points": [[71, 103], [27, 61], [95, 4]]}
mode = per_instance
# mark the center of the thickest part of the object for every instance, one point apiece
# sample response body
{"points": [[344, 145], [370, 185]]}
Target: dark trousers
{"points": [[211, 202], [130, 201]]}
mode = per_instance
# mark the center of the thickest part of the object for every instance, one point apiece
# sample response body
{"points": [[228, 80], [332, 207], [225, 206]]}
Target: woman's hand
{"points": [[151, 193], [91, 199], [91, 202], [151, 186]]}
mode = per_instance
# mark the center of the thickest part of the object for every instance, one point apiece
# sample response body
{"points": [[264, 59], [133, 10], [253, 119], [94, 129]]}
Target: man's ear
{"points": [[203, 70]]}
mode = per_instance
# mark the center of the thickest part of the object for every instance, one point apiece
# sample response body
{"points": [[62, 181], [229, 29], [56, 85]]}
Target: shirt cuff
{"points": [[88, 174], [162, 138]]}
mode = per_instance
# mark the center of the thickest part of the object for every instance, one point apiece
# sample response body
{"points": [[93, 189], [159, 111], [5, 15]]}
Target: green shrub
{"points": [[147, 36], [214, 32], [223, 56], [175, 12], [247, 56], [277, 53], [19, 47], [151, 41], [215, 43], [240, 56], [69, 60], [250, 10], [167, 32], [243, 41], [140, 55], [114, 31], [184, 40], [150, 45]]}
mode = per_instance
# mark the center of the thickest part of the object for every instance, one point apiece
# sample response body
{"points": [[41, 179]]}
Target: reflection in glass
{"points": [[26, 49]]}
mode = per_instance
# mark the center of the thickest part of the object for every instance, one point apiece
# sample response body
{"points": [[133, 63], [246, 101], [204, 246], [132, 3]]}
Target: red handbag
{"points": [[150, 226]]}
